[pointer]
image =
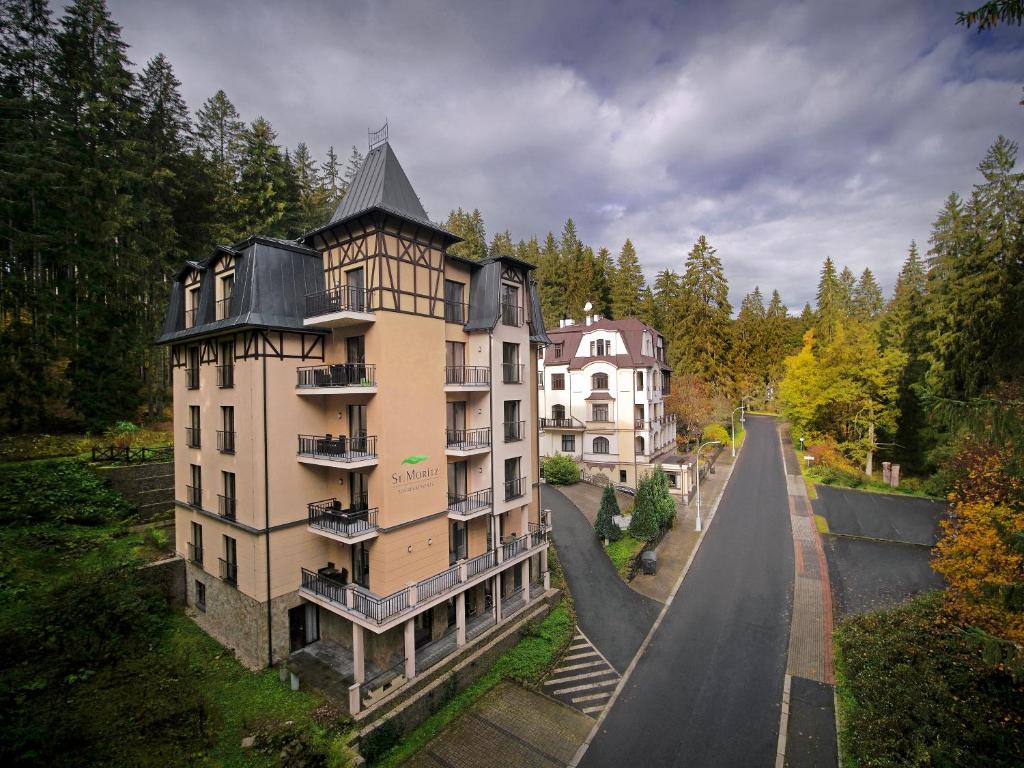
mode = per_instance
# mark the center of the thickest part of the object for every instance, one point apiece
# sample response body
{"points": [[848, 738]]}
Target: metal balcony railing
{"points": [[225, 376], [513, 547], [514, 431], [468, 439], [194, 495], [195, 553], [344, 298], [226, 506], [467, 375], [466, 503], [329, 515], [225, 441], [515, 488], [192, 378], [340, 448], [456, 312], [511, 314], [435, 585], [190, 317], [512, 373], [337, 375], [573, 423], [228, 571], [477, 565], [224, 308], [192, 437]]}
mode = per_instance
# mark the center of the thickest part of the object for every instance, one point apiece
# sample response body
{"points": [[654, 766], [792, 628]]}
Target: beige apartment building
{"points": [[352, 457]]}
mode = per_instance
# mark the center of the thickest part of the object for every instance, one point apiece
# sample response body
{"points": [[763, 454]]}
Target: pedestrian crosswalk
{"points": [[583, 678]]}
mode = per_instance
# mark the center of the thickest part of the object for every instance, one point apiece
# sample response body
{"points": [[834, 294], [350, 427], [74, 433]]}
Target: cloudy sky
{"points": [[783, 131]]}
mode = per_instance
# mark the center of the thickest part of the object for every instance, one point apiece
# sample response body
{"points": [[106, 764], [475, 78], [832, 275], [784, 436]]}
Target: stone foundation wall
{"points": [[169, 576]]}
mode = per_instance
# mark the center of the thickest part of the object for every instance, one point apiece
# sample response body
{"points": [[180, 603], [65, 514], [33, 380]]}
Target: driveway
{"points": [[613, 616], [878, 547]]}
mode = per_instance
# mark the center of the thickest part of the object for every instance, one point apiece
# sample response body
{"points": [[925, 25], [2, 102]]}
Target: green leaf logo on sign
{"points": [[414, 459]]}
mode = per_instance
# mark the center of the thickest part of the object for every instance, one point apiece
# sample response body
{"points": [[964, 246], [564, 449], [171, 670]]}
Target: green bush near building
{"points": [[560, 470], [915, 691], [715, 432], [623, 552]]}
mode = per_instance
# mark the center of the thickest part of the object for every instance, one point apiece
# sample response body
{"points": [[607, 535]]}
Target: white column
{"points": [[358, 654], [410, 649], [460, 618], [525, 578], [354, 699], [544, 568], [525, 528], [497, 597]]}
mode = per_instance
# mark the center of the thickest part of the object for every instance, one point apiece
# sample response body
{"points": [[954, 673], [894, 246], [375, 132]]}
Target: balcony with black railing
{"points": [[226, 506], [337, 379], [339, 306], [351, 524], [465, 377], [194, 495], [192, 437], [456, 312], [463, 506], [191, 315], [514, 431], [228, 571], [511, 314], [224, 308], [464, 442], [512, 373], [225, 376], [225, 441], [515, 488], [327, 450]]}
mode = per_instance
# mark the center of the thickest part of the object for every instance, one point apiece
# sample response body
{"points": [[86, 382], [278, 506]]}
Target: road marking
{"points": [[584, 676], [591, 710], [586, 687], [581, 656], [574, 667], [591, 697]]}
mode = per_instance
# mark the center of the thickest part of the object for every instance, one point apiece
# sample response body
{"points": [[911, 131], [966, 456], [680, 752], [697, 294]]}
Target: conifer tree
{"points": [[668, 298], [750, 350], [263, 182], [501, 244], [551, 282], [848, 284], [650, 312], [604, 277], [867, 298], [355, 162], [605, 526], [776, 343], [702, 344], [628, 285], [644, 524], [831, 299], [470, 227], [312, 203], [219, 132], [332, 182]]}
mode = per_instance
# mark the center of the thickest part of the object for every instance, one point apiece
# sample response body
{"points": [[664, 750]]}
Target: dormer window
{"points": [[192, 312], [226, 288], [599, 348]]}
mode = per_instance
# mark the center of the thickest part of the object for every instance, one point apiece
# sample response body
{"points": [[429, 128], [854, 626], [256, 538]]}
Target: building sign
{"points": [[413, 478]]}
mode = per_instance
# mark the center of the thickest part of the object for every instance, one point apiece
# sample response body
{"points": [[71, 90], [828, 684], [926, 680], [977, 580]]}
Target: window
{"points": [[640, 446], [510, 314], [227, 289], [558, 412], [514, 428], [226, 436], [192, 313], [227, 498], [601, 445], [455, 353], [569, 443], [200, 596], [454, 306], [512, 371], [600, 347], [226, 369], [557, 351], [558, 381], [355, 290], [600, 413], [622, 476], [513, 482], [639, 379], [229, 563], [361, 564], [457, 479], [457, 542], [599, 381], [192, 433], [195, 491], [192, 368], [195, 547]]}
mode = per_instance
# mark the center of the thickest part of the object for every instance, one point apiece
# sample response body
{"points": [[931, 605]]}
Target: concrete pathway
{"points": [[707, 689], [583, 678], [614, 617], [510, 726]]}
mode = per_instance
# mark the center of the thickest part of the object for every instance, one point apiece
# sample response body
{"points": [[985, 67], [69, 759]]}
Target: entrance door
{"points": [[303, 626], [457, 415], [356, 282], [361, 564]]}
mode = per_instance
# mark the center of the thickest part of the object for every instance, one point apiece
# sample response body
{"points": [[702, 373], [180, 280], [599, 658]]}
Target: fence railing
{"points": [[467, 375], [477, 565], [328, 515], [337, 375], [512, 548], [228, 571], [465, 439], [512, 373], [226, 506], [514, 431], [511, 314], [515, 488], [225, 441], [192, 378], [340, 448], [128, 455], [437, 584], [573, 423], [456, 312], [344, 298], [464, 503], [226, 376]]}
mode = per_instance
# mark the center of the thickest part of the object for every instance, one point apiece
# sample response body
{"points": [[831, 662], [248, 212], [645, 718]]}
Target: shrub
{"points": [[715, 432], [560, 470], [645, 523], [605, 525], [914, 690], [57, 491], [826, 453], [663, 500], [122, 433]]}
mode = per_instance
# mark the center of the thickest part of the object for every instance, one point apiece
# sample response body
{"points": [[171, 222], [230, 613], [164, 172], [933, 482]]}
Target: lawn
{"points": [[623, 552], [37, 446], [915, 691]]}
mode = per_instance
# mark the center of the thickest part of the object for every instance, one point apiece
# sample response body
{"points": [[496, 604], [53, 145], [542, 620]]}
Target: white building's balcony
{"points": [[338, 307], [349, 452]]}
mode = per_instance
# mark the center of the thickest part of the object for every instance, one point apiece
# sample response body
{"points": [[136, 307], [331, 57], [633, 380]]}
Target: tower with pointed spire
{"points": [[373, 481]]}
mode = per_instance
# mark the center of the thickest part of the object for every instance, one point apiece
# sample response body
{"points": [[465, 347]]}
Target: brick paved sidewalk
{"points": [[510, 726]]}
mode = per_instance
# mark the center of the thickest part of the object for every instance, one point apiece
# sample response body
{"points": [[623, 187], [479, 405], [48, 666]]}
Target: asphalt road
{"points": [[614, 617], [880, 516], [707, 690]]}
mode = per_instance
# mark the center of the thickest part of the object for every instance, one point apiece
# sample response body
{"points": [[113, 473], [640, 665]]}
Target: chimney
{"points": [[587, 319]]}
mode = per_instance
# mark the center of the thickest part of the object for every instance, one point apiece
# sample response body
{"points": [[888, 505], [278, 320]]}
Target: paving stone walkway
{"points": [[583, 678], [510, 726]]}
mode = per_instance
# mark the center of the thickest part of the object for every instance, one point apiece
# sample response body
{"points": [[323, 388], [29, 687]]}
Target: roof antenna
{"points": [[379, 136]]}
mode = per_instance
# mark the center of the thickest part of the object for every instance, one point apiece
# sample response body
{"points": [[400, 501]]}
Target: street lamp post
{"points": [[699, 448], [743, 420]]}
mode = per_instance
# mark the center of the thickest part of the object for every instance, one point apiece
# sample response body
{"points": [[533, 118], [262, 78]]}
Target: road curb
{"points": [[657, 622], [780, 751]]}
